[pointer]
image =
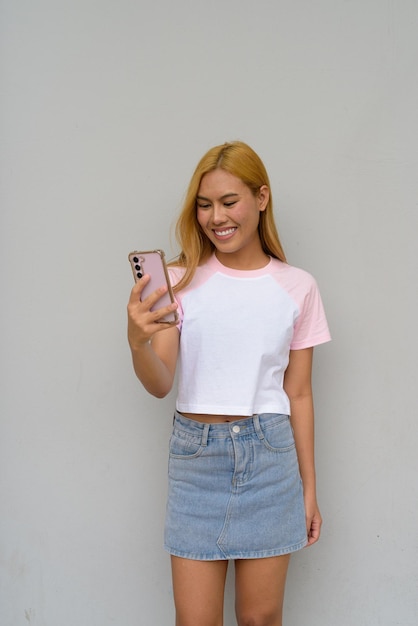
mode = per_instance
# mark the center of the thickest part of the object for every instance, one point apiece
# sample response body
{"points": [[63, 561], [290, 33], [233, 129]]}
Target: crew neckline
{"points": [[229, 271]]}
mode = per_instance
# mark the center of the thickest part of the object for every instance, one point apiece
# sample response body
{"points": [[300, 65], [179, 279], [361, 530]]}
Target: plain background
{"points": [[106, 107]]}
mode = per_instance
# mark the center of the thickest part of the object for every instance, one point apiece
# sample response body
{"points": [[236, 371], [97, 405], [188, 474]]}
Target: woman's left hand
{"points": [[313, 521]]}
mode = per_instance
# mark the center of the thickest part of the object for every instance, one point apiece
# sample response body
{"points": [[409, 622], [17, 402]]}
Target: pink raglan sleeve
{"points": [[175, 274], [311, 327]]}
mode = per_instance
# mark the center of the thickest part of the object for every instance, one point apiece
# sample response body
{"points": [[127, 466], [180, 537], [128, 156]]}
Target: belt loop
{"points": [[256, 421], [205, 434]]}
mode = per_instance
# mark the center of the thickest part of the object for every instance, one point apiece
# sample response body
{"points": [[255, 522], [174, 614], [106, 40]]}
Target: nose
{"points": [[218, 214]]}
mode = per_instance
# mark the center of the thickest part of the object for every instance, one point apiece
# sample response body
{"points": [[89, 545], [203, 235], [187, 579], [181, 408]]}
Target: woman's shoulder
{"points": [[291, 271], [176, 273], [201, 273], [293, 279]]}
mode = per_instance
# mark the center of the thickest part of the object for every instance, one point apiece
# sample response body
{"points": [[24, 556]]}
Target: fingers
{"points": [[152, 298], [314, 529], [142, 322], [138, 287], [157, 316]]}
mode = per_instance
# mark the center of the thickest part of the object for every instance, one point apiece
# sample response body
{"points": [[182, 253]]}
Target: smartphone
{"points": [[152, 262]]}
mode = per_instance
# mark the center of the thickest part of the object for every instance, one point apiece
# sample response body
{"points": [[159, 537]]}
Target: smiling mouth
{"points": [[225, 232]]}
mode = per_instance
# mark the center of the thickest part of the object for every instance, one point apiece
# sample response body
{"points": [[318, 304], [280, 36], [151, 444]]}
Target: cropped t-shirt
{"points": [[237, 328]]}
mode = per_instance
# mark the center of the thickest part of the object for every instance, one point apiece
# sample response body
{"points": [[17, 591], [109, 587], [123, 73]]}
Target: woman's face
{"points": [[228, 213]]}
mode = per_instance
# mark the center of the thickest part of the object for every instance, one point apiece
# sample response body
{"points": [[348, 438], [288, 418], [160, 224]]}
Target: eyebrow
{"points": [[226, 195]]}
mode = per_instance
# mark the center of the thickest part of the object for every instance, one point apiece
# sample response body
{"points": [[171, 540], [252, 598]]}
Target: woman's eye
{"points": [[230, 203], [203, 206]]}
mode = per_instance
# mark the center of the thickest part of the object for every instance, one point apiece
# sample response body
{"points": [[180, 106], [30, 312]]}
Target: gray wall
{"points": [[106, 108]]}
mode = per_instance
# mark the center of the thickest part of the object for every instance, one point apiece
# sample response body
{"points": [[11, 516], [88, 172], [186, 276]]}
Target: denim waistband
{"points": [[236, 428]]}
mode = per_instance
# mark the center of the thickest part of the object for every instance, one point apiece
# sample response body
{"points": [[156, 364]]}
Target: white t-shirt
{"points": [[237, 328]]}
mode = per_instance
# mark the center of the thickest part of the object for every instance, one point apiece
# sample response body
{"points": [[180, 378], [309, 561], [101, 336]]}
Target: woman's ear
{"points": [[263, 197]]}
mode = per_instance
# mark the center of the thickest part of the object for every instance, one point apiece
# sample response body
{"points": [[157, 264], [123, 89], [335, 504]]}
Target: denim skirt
{"points": [[234, 489]]}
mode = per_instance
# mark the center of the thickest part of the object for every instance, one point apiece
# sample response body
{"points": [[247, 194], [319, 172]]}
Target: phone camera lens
{"points": [[135, 259], [139, 275], [137, 267]]}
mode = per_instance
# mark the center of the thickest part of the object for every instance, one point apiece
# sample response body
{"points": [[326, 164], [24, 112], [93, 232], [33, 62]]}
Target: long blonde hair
{"points": [[238, 159]]}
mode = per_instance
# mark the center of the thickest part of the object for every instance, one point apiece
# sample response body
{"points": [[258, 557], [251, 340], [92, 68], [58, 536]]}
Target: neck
{"points": [[242, 261]]}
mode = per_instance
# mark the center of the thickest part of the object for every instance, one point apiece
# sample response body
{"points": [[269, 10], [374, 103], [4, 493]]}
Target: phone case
{"points": [[152, 262]]}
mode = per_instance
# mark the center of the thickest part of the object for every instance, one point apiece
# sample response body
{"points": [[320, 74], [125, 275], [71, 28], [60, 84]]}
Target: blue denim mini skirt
{"points": [[234, 489]]}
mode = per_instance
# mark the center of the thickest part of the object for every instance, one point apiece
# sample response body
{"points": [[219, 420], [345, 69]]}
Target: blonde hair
{"points": [[238, 159]]}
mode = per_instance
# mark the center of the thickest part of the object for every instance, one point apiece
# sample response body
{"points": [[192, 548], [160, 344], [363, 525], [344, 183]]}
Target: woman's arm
{"points": [[298, 386], [154, 345]]}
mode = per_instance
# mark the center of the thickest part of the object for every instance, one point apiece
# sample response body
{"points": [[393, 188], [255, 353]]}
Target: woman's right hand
{"points": [[142, 322]]}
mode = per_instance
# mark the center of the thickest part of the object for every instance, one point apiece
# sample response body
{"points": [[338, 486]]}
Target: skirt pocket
{"points": [[278, 436], [185, 446]]}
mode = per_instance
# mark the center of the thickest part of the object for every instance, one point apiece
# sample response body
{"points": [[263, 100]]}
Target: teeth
{"points": [[222, 233]]}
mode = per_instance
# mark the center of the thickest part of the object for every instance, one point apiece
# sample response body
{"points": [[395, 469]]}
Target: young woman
{"points": [[241, 469]]}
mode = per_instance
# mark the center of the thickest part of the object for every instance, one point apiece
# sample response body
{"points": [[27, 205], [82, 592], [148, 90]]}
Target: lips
{"points": [[224, 232]]}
